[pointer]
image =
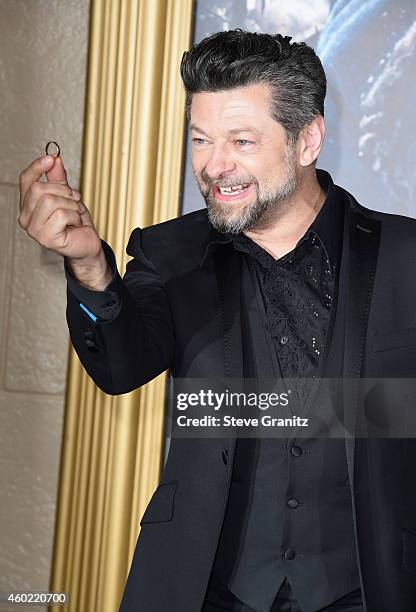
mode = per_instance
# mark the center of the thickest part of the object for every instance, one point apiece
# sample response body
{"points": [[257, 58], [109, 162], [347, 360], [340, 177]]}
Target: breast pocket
{"points": [[394, 340], [161, 505]]}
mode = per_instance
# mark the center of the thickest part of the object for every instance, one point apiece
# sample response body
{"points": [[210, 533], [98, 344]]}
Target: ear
{"points": [[311, 139]]}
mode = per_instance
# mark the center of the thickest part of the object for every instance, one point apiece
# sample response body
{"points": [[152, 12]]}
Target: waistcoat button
{"points": [[289, 554], [296, 451], [292, 502]]}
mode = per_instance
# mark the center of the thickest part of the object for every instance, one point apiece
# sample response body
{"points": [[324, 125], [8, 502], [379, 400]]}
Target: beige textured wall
{"points": [[43, 55]]}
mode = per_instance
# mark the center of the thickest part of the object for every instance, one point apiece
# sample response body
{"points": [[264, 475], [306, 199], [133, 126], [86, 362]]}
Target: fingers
{"points": [[37, 193], [85, 215], [53, 233], [52, 213], [57, 172], [32, 173], [47, 206]]}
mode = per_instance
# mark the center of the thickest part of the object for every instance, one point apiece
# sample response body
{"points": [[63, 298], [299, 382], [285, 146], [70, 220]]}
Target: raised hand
{"points": [[54, 215]]}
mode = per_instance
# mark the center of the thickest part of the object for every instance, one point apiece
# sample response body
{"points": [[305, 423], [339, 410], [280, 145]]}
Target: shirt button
{"points": [[289, 554], [292, 502], [296, 451], [284, 340]]}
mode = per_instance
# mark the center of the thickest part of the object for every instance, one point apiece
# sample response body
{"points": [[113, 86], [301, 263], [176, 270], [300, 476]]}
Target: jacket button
{"points": [[91, 346], [289, 554], [296, 451], [225, 456], [292, 502]]}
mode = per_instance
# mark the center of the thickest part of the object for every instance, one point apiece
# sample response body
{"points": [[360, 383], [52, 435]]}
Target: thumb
{"points": [[57, 172]]}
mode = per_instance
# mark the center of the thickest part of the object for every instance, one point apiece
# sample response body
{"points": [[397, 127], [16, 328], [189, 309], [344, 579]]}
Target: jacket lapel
{"points": [[361, 243], [227, 268]]}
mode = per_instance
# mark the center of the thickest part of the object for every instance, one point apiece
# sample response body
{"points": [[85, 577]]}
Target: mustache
{"points": [[231, 182]]}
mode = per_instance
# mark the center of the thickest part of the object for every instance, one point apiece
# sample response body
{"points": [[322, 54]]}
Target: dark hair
{"points": [[293, 71]]}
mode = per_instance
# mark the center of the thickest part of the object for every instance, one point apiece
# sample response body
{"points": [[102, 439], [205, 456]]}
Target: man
{"points": [[283, 275]]}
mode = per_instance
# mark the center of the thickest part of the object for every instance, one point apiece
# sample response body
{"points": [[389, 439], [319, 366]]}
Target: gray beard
{"points": [[256, 214]]}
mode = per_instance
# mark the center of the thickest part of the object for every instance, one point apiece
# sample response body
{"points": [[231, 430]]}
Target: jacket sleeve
{"points": [[128, 337]]}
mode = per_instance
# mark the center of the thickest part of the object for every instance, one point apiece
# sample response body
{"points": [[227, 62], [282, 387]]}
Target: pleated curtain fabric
{"points": [[132, 162]]}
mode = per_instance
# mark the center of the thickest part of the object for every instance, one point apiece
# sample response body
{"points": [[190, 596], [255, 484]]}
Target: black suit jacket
{"points": [[180, 310]]}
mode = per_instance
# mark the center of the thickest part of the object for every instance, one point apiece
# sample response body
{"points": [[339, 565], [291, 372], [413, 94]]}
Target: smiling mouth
{"points": [[226, 194]]}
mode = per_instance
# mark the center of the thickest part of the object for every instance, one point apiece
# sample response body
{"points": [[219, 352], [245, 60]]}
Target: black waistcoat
{"points": [[289, 511]]}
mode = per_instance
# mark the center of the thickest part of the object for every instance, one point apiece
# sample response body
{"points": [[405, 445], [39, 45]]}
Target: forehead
{"points": [[249, 102]]}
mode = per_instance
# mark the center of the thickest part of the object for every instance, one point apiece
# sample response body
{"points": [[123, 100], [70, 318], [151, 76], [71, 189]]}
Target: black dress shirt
{"points": [[297, 291]]}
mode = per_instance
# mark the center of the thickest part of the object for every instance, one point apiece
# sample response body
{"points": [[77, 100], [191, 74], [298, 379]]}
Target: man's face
{"points": [[242, 162]]}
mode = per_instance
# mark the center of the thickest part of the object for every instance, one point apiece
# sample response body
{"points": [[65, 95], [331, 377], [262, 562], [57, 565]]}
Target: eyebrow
{"points": [[233, 131]]}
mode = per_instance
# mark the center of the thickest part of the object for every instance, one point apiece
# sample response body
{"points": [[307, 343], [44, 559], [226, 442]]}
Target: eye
{"points": [[199, 141], [242, 142]]}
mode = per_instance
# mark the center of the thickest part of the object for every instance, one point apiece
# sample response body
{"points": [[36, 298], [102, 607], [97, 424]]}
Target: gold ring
{"points": [[52, 142]]}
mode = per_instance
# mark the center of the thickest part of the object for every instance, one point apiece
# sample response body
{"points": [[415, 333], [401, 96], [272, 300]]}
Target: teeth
{"points": [[234, 190]]}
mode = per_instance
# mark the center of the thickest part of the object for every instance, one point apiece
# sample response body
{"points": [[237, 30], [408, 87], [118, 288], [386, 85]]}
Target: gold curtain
{"points": [[132, 165]]}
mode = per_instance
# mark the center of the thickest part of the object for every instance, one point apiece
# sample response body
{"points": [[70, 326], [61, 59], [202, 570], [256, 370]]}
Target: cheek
{"points": [[263, 166], [196, 163], [199, 160], [274, 170]]}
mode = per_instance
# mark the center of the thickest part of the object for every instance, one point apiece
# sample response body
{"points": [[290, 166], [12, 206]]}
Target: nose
{"points": [[220, 162]]}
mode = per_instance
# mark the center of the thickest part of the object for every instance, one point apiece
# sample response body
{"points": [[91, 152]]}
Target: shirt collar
{"points": [[326, 225]]}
